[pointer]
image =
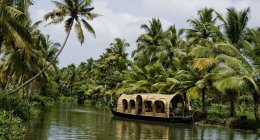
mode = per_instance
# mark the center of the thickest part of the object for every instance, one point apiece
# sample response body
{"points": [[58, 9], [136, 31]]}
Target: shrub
{"points": [[11, 127], [38, 99], [250, 123], [217, 114], [20, 107]]}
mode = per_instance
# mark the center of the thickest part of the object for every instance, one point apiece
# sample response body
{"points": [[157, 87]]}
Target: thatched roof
{"points": [[152, 97]]}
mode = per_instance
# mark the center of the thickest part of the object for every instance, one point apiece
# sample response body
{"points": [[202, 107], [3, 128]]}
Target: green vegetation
{"points": [[11, 126], [14, 111], [215, 65]]}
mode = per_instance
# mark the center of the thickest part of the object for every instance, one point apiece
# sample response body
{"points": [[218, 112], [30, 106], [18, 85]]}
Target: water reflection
{"points": [[133, 129], [73, 121]]}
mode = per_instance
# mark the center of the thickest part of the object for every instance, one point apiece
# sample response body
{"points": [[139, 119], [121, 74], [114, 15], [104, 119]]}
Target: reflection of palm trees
{"points": [[133, 129]]}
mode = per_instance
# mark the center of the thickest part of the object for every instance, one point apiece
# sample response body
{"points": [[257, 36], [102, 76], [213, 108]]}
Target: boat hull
{"points": [[178, 119]]}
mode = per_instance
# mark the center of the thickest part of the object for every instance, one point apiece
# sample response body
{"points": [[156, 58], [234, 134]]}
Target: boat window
{"points": [[160, 108], [148, 106], [125, 105], [139, 104], [132, 104]]}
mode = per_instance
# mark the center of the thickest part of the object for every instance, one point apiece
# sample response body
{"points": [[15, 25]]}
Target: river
{"points": [[73, 121]]}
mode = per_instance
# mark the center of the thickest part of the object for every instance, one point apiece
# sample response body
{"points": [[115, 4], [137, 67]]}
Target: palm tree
{"points": [[149, 41], [48, 50], [171, 46], [252, 47], [70, 75], [235, 25], [199, 39], [77, 11], [118, 54], [13, 31], [201, 26], [234, 28]]}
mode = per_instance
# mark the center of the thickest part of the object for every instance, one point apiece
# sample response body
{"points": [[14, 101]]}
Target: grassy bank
{"points": [[218, 114], [14, 111]]}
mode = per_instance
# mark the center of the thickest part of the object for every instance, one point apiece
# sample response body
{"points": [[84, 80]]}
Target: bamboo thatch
{"points": [[131, 103]]}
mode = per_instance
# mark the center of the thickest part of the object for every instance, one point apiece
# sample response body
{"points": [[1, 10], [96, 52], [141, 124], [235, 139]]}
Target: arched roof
{"points": [[166, 98]]}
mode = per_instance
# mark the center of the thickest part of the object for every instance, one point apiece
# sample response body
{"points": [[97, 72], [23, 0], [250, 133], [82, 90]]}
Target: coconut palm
{"points": [[76, 11], [235, 25], [234, 28], [149, 41], [48, 50], [201, 26], [118, 54], [171, 46], [13, 31], [199, 38], [251, 49]]}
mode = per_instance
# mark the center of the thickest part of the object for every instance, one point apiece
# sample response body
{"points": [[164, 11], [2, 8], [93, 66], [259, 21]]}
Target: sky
{"points": [[123, 19]]}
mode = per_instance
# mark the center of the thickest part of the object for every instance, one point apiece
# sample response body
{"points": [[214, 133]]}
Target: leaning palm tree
{"points": [[76, 11]]}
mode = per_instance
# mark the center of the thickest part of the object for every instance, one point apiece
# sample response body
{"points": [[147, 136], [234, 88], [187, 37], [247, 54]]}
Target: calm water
{"points": [[72, 121]]}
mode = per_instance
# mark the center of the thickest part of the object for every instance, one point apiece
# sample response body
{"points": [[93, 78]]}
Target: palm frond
{"points": [[79, 32], [88, 27], [203, 64]]}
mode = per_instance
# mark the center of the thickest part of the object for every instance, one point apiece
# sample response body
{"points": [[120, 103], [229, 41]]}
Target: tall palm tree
{"points": [[76, 11], [235, 25], [235, 28], [251, 49], [199, 39], [48, 50], [201, 26], [149, 41], [118, 54]]}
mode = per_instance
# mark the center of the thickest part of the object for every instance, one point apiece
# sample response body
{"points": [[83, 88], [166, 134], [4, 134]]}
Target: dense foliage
{"points": [[11, 127], [215, 65]]}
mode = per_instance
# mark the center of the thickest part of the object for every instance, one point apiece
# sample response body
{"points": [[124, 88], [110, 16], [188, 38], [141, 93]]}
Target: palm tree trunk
{"points": [[27, 92], [55, 57], [232, 108], [14, 82], [32, 88], [6, 86], [232, 104], [203, 100], [256, 101], [70, 90]]}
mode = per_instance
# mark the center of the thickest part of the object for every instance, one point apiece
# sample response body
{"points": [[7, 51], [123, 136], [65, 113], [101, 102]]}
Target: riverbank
{"points": [[67, 120], [246, 122], [217, 115], [14, 111]]}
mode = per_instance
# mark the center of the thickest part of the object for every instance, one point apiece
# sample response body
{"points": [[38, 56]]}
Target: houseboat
{"points": [[152, 107]]}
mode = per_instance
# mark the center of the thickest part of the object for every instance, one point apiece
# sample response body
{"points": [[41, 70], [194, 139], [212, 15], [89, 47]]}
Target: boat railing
{"points": [[160, 114], [148, 113], [132, 111]]}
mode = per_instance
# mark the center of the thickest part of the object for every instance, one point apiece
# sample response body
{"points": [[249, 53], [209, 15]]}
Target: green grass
{"points": [[219, 115]]}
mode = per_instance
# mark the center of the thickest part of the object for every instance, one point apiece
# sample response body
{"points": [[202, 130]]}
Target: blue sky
{"points": [[123, 18]]}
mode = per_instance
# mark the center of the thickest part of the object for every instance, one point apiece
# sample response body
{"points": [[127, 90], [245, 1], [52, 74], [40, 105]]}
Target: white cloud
{"points": [[122, 19]]}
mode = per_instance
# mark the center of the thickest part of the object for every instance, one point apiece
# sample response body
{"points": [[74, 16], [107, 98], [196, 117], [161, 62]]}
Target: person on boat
{"points": [[176, 110], [171, 112], [146, 108], [159, 109]]}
